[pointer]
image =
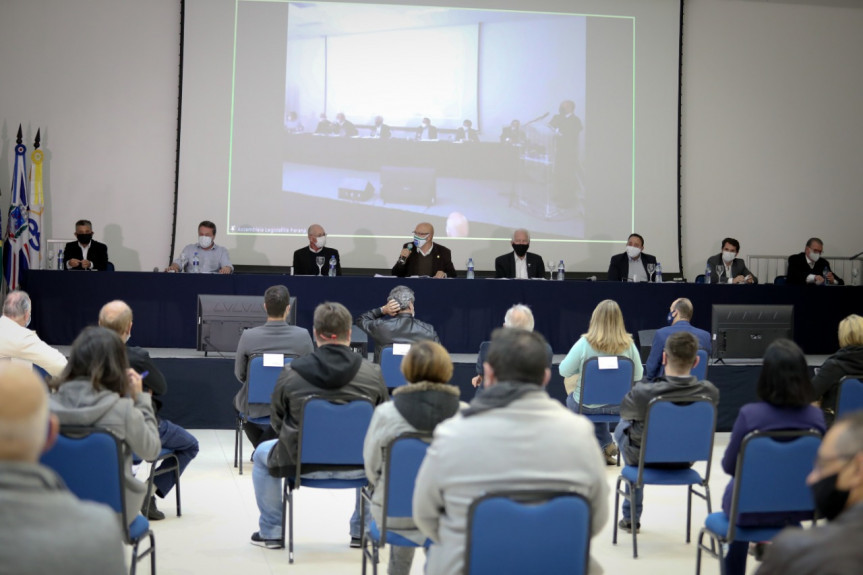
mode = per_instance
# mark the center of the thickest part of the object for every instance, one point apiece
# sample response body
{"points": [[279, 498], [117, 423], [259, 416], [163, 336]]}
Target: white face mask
{"points": [[205, 241], [420, 242], [320, 242], [813, 256], [728, 257], [633, 252]]}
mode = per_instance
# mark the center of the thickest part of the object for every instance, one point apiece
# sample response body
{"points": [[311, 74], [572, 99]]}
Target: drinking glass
{"points": [[551, 266], [650, 269], [320, 261], [720, 270]]}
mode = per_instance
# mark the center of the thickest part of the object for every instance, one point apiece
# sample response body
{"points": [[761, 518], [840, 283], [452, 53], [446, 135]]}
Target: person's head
{"points": [[520, 241], [851, 331], [427, 361], [634, 245], [206, 234], [519, 316], [607, 333], [467, 124], [117, 316], [518, 356], [26, 427], [424, 233], [426, 122], [332, 324], [379, 120], [837, 477], [680, 354], [340, 117], [323, 117], [98, 354], [814, 249], [404, 296], [84, 231], [317, 236], [784, 379], [515, 124], [277, 302], [17, 307], [732, 246], [567, 107], [680, 310]]}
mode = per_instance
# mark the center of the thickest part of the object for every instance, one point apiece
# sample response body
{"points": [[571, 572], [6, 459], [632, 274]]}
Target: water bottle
{"points": [[824, 273], [560, 271], [196, 264], [658, 273], [470, 274], [707, 274], [60, 262], [332, 272]]}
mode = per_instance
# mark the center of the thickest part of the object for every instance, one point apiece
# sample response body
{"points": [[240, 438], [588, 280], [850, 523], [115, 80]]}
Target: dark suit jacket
{"points": [[347, 129], [432, 132], [98, 254], [512, 136], [304, 261], [471, 135], [385, 132], [738, 268], [798, 269], [618, 267], [504, 266], [441, 261], [139, 360]]}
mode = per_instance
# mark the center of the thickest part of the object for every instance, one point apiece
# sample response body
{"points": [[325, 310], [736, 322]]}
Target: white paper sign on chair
{"points": [[607, 362], [274, 360], [401, 348]]}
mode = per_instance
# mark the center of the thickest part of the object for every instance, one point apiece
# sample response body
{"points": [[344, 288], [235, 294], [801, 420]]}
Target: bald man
{"points": [[21, 344], [423, 257], [117, 316], [43, 527], [304, 258], [679, 315]]}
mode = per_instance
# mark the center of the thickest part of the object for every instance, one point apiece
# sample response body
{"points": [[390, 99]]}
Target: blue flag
{"points": [[16, 248]]}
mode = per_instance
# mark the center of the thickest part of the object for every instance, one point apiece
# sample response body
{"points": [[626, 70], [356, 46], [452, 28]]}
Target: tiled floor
{"points": [[219, 516]]}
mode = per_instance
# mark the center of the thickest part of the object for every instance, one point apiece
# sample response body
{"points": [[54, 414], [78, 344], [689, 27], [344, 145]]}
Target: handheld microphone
{"points": [[409, 246]]}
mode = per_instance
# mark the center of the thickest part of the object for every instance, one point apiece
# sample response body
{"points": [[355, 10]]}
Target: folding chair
{"points": [[391, 368], [331, 436], [262, 382], [679, 432], [770, 477], [700, 370], [164, 455], [542, 531], [850, 397], [604, 387], [403, 457], [90, 461]]}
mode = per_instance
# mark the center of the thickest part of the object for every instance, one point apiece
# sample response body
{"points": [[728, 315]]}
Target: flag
{"points": [[16, 248], [37, 206]]}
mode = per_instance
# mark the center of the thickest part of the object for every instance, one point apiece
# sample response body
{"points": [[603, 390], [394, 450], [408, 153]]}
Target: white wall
{"points": [[771, 121]]}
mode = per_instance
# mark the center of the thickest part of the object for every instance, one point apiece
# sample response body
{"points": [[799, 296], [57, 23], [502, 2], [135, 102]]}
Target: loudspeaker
{"points": [[356, 189], [408, 185]]}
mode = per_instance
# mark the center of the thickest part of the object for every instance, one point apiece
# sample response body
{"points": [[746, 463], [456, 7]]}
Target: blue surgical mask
{"points": [[670, 317]]}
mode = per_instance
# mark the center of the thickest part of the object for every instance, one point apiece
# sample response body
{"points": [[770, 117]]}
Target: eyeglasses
{"points": [[421, 234]]}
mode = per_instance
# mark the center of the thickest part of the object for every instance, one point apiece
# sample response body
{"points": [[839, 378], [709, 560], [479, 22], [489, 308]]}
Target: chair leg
{"points": [[177, 485], [237, 431], [153, 553], [616, 507], [290, 526], [688, 512], [240, 443]]}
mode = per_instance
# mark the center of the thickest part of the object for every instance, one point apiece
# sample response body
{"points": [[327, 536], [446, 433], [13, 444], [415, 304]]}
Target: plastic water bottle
{"points": [[561, 272], [658, 273], [60, 262], [470, 274], [824, 273], [332, 272], [196, 264], [707, 275]]}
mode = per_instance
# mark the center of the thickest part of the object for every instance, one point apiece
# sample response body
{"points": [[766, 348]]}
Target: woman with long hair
{"points": [[847, 361]]}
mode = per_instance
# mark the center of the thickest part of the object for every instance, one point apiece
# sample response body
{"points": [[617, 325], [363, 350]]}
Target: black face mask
{"points": [[829, 501], [84, 239], [520, 249]]}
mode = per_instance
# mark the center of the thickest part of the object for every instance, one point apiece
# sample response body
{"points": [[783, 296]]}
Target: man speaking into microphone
{"points": [[423, 257]]}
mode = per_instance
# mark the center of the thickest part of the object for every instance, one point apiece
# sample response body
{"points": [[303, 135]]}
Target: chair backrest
{"points": [[678, 432], [391, 368], [262, 379], [771, 471], [700, 279], [700, 370], [109, 267], [528, 532], [850, 395], [404, 455], [605, 386], [332, 433], [780, 280]]}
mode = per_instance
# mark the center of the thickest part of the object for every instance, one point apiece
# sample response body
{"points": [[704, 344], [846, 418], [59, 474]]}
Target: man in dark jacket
{"points": [[679, 357], [332, 371], [394, 322], [808, 267]]}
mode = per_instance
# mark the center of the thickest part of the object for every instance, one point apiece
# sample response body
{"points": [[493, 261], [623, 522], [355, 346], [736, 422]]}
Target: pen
{"points": [[145, 374]]}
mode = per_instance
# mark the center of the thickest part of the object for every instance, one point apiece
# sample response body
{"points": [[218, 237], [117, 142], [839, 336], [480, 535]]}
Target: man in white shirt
{"points": [[18, 343], [520, 264], [211, 258]]}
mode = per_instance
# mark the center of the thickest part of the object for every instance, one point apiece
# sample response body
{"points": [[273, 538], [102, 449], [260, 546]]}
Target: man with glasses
{"points": [[808, 267], [305, 258], [423, 257], [837, 488]]}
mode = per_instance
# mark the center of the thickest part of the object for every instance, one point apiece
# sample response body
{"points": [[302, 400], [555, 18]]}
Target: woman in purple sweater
{"points": [[786, 393]]}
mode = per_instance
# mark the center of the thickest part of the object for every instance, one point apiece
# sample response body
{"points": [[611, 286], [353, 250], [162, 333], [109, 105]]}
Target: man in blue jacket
{"points": [[679, 316]]}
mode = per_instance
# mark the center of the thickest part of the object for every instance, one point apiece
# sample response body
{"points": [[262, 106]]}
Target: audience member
{"points": [[632, 264], [21, 344], [99, 389], [305, 258], [44, 527], [679, 357], [837, 487], [86, 253], [275, 336], [394, 322], [513, 436], [332, 371], [679, 316], [211, 258], [419, 406], [423, 257], [726, 267], [117, 316], [847, 361], [606, 335], [808, 267], [520, 263]]}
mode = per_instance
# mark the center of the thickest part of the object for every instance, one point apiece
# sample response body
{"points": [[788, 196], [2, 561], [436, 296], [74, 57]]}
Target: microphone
{"points": [[403, 259]]}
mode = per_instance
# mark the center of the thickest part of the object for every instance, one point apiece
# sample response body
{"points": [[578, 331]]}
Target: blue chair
{"points": [[770, 477], [673, 433], [164, 455], [850, 396], [391, 368], [604, 386], [262, 382], [780, 280], [90, 461], [403, 457], [700, 279], [700, 370], [544, 531], [331, 436]]}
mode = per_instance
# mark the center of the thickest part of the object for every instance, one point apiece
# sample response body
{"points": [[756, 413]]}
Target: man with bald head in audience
{"points": [[117, 316], [21, 344], [44, 528]]}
